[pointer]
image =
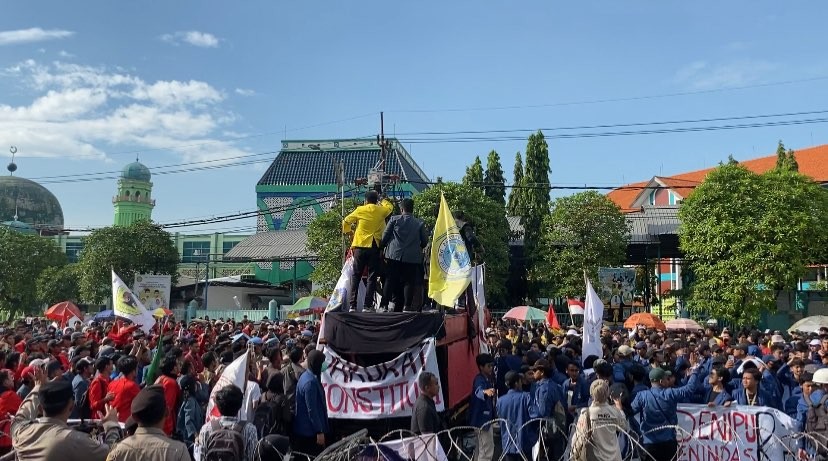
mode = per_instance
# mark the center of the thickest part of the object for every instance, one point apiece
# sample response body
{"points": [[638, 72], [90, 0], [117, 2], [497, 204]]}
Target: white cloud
{"points": [[702, 75], [245, 92], [65, 54], [192, 37], [83, 111], [34, 34]]}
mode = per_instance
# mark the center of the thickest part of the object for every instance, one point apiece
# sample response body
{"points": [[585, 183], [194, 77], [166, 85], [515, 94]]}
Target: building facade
{"points": [[133, 201]]}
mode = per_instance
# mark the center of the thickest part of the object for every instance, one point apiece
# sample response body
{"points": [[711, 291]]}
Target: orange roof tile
{"points": [[813, 162]]}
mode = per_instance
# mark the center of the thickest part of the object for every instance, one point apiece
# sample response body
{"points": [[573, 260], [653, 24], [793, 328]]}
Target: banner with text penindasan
{"points": [[385, 390]]}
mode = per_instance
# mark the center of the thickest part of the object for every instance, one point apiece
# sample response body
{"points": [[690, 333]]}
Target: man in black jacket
{"points": [[425, 419], [403, 240]]}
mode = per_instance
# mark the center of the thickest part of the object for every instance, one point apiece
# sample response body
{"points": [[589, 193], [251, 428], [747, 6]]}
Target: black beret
{"points": [[55, 393], [148, 402]]}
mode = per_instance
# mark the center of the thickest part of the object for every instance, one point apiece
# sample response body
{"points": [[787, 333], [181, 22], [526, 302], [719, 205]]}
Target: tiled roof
{"points": [[813, 162], [271, 246], [625, 196], [310, 167], [651, 222]]}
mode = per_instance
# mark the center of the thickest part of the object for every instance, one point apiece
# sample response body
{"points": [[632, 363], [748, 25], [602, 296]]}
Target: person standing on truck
{"points": [[403, 241], [367, 224]]}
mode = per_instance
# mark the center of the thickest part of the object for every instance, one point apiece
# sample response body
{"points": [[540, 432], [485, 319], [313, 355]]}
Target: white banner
{"points": [[153, 290], [384, 390], [127, 306], [593, 321], [418, 448], [235, 373], [735, 433]]}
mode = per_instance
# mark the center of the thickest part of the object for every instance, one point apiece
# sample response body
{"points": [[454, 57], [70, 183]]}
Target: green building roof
{"points": [[136, 171], [32, 203]]}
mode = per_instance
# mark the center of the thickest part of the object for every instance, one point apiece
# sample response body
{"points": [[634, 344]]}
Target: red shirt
{"points": [[97, 391], [125, 391], [9, 403], [172, 394], [194, 358]]}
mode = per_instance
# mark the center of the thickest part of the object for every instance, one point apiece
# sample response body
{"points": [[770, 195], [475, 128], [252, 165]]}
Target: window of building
{"points": [[673, 198], [195, 251], [73, 250], [227, 246], [652, 197]]}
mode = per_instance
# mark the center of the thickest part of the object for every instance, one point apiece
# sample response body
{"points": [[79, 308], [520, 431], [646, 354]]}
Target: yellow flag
{"points": [[450, 267]]}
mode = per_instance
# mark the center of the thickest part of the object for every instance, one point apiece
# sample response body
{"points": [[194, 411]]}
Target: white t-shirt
{"points": [[252, 395]]}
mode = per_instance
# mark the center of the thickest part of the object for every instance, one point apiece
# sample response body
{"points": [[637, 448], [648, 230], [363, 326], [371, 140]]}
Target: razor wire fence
{"points": [[555, 443]]}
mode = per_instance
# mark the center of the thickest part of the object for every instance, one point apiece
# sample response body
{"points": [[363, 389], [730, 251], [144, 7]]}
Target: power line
{"points": [[610, 100]]}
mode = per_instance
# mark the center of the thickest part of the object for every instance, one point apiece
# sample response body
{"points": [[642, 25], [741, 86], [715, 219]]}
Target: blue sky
{"points": [[82, 89]]}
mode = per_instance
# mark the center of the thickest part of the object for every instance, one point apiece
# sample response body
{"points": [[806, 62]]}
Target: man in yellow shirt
{"points": [[367, 223]]}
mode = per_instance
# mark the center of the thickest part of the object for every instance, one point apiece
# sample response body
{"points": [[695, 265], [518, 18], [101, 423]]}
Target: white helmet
{"points": [[821, 376]]}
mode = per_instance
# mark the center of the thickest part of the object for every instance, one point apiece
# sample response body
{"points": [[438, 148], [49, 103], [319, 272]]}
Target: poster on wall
{"points": [[615, 288], [153, 290]]}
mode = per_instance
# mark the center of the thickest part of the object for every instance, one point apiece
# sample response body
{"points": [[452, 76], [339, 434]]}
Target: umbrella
{"points": [[683, 324], [524, 313], [63, 311], [103, 316], [309, 305], [810, 324], [646, 319], [161, 313]]}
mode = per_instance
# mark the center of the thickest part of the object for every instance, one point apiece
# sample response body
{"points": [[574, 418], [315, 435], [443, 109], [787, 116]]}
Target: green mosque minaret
{"points": [[133, 201]]}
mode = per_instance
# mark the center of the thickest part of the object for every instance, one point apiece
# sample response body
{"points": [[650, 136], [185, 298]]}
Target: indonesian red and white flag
{"points": [[576, 307], [235, 373]]}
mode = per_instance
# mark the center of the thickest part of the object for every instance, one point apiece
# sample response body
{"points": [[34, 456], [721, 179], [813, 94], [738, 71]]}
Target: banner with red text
{"points": [[734, 433], [385, 390]]}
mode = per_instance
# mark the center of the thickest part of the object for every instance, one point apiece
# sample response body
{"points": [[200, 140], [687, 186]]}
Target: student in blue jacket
{"points": [[717, 392], [516, 409], [482, 406], [750, 393], [575, 391], [658, 408], [310, 426]]}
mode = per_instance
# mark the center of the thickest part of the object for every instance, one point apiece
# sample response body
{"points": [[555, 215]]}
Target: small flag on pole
{"points": [[551, 318], [576, 307]]}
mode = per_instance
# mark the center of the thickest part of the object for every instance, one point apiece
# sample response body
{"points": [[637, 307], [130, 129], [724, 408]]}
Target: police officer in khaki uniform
{"points": [[49, 438], [149, 443]]}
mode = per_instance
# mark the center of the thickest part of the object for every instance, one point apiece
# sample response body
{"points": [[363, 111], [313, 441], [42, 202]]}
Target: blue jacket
{"points": [[720, 399], [516, 409], [311, 411], [580, 392], [770, 385], [620, 369], [658, 407], [802, 415], [763, 399], [546, 396], [504, 364], [189, 421], [481, 407]]}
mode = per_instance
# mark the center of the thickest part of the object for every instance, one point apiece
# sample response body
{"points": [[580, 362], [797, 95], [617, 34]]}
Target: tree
{"points": [[584, 231], [325, 239], [140, 248], [494, 180], [58, 283], [474, 174], [22, 260], [536, 201], [515, 205], [490, 224], [785, 159], [748, 236]]}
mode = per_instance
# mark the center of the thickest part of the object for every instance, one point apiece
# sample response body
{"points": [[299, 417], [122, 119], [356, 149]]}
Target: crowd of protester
{"points": [[538, 383], [146, 396]]}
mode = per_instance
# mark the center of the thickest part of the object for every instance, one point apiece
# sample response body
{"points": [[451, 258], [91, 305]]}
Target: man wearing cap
{"points": [[49, 438], [622, 367], [658, 407], [149, 443], [551, 406]]}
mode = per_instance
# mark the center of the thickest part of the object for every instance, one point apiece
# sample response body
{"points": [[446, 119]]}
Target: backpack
{"points": [[224, 443], [265, 417], [816, 424]]}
